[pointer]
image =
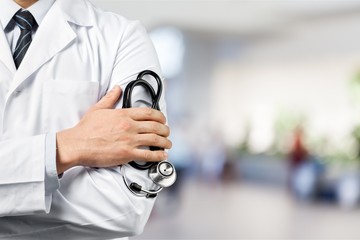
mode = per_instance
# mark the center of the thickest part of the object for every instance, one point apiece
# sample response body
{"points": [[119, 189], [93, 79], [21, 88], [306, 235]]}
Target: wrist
{"points": [[67, 156]]}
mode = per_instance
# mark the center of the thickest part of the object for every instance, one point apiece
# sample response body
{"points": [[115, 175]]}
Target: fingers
{"points": [[153, 127], [150, 156], [145, 114], [109, 100], [153, 140]]}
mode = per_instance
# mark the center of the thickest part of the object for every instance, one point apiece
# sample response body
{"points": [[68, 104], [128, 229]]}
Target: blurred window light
{"points": [[170, 47], [261, 135]]}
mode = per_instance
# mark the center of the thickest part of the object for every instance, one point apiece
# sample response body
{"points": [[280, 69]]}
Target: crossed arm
{"points": [[107, 137]]}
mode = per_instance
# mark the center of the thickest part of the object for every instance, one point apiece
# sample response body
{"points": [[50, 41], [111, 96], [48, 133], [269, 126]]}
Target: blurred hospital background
{"points": [[264, 104]]}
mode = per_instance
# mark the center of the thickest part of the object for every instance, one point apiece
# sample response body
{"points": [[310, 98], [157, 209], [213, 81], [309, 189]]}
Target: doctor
{"points": [[58, 62]]}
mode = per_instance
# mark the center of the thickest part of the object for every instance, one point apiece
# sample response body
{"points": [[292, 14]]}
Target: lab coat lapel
{"points": [[5, 52], [53, 35]]}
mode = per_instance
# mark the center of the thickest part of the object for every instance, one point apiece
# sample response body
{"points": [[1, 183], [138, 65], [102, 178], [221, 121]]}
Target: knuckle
{"points": [[155, 139], [127, 139], [148, 155], [125, 153], [142, 128], [156, 127], [122, 112], [125, 125], [148, 111]]}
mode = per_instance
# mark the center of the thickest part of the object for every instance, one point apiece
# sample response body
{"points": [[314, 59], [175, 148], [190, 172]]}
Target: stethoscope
{"points": [[163, 174]]}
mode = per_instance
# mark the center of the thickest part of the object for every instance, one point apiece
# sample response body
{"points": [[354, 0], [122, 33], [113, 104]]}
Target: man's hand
{"points": [[107, 137]]}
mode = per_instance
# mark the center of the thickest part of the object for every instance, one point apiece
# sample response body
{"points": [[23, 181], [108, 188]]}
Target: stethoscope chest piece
{"points": [[163, 174]]}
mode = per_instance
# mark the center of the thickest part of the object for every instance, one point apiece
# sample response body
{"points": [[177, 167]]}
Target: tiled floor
{"points": [[247, 211]]}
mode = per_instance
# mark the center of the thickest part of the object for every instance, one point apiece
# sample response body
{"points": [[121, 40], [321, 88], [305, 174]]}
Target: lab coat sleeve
{"points": [[22, 176]]}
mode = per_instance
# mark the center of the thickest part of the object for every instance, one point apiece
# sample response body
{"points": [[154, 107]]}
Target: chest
{"points": [[56, 95]]}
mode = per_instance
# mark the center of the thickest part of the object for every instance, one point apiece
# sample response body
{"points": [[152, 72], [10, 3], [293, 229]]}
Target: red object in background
{"points": [[298, 153]]}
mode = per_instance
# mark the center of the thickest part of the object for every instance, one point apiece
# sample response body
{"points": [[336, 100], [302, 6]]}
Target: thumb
{"points": [[108, 101]]}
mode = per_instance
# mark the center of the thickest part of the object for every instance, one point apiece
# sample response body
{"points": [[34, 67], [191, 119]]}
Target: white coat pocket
{"points": [[65, 102]]}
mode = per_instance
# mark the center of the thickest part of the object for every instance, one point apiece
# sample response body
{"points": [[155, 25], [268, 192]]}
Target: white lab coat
{"points": [[78, 53]]}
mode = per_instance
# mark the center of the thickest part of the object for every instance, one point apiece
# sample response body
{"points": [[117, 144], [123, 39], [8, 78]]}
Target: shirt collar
{"points": [[40, 8], [8, 8]]}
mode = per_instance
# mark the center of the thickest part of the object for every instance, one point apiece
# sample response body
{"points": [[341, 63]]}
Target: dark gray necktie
{"points": [[25, 21]]}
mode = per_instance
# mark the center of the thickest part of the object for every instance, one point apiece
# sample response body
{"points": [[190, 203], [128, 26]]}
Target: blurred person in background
{"points": [[298, 152], [305, 171], [297, 156]]}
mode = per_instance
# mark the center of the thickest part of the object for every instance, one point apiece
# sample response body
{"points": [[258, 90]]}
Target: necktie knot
{"points": [[24, 20]]}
